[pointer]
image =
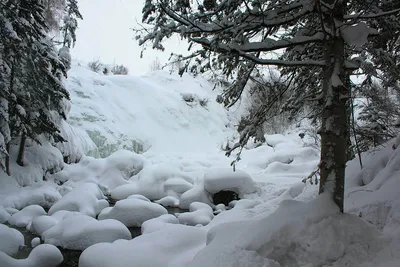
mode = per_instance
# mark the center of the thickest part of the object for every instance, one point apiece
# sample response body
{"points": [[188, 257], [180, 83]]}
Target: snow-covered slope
{"points": [[138, 113]]}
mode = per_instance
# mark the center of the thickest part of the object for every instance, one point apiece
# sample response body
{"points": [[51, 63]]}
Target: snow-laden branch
{"points": [[371, 15], [267, 45]]}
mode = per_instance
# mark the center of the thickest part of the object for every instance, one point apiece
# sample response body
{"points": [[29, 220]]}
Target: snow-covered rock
{"points": [[10, 240], [35, 242], [133, 211], [26, 215], [155, 182], [42, 223], [199, 214], [108, 173], [86, 198], [158, 223], [228, 180], [168, 201], [43, 255], [79, 231], [4, 215], [196, 194]]}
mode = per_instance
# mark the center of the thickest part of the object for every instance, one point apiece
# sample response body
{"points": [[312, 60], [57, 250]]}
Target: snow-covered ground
{"points": [[278, 221]]}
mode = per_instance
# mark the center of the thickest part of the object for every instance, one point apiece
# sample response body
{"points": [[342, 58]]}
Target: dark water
{"points": [[71, 257]]}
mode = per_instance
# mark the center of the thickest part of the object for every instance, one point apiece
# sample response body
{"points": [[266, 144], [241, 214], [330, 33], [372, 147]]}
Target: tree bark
{"points": [[334, 130], [8, 171], [20, 158]]}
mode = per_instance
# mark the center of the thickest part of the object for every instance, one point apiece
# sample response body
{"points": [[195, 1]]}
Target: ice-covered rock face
{"points": [[225, 179], [133, 211]]}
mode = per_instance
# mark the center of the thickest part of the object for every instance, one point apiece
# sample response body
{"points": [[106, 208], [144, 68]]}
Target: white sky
{"points": [[105, 34]]}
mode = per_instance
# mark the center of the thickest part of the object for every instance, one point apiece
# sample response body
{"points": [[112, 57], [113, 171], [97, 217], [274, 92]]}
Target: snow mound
{"points": [[196, 194], [173, 245], [169, 201], [158, 223], [226, 179], [35, 242], [79, 231], [12, 195], [86, 198], [155, 182], [42, 223], [133, 211], [10, 240], [43, 255], [200, 214], [4, 215], [26, 215], [108, 173]]}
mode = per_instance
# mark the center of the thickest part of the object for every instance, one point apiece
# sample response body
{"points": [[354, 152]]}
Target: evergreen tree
{"points": [[243, 33], [34, 92]]}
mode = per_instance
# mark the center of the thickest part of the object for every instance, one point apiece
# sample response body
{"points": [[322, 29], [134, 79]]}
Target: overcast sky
{"points": [[105, 34]]}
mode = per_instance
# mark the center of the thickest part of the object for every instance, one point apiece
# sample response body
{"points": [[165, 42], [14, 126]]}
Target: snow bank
{"points": [[86, 198], [133, 211], [296, 234], [10, 240], [199, 214], [226, 179], [79, 231], [43, 255], [373, 191], [173, 245], [155, 182], [26, 215]]}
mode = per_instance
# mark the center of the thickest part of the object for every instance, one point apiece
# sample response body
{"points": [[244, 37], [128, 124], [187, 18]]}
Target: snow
{"points": [[43, 255], [226, 179], [196, 194], [25, 216], [10, 240], [78, 231], [133, 211], [86, 198]]}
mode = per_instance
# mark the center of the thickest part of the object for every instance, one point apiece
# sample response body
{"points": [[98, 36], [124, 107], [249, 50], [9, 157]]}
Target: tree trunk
{"points": [[8, 145], [334, 130], [20, 158]]}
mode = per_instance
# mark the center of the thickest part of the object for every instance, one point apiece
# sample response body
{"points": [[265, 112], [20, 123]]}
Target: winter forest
{"points": [[251, 133]]}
